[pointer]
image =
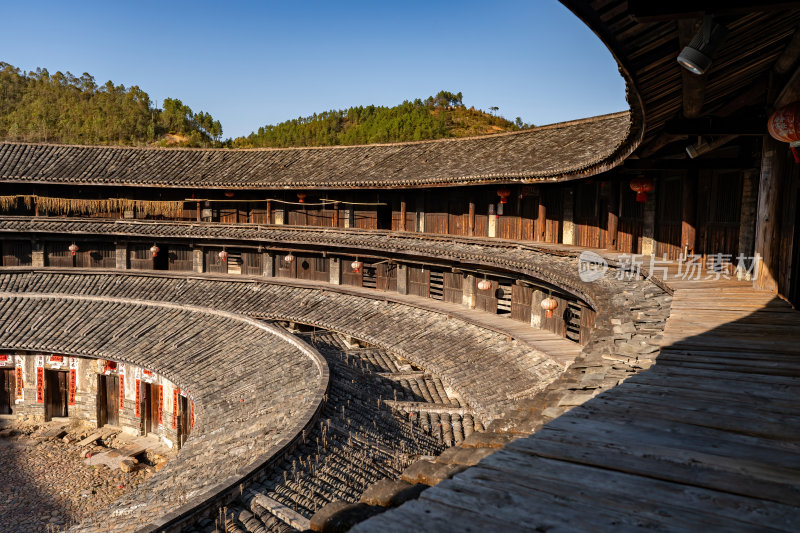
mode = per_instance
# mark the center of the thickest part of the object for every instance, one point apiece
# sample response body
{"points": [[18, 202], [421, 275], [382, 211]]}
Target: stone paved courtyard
{"points": [[46, 485]]}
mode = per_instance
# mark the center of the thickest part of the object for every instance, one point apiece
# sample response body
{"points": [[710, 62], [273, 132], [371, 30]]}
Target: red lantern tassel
{"points": [[548, 313], [795, 154]]}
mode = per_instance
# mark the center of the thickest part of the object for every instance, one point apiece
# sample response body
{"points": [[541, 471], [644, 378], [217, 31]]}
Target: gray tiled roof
{"points": [[555, 152]]}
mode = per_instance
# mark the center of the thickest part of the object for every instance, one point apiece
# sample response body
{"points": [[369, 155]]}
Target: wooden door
{"points": [[284, 268], [486, 300], [552, 199], [58, 255], [7, 391], [386, 277], [183, 420], [530, 210], [180, 258], [453, 287], [419, 281], [147, 408], [587, 216], [107, 400], [251, 263], [141, 258], [153, 407], [213, 261], [521, 299], [668, 217], [631, 222], [350, 277], [719, 206], [16, 253], [457, 223], [55, 394], [306, 267]]}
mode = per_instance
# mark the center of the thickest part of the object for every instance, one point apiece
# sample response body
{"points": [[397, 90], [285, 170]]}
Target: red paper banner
{"points": [[161, 405], [191, 423], [137, 407], [147, 372], [175, 393], [39, 384], [3, 358], [20, 383], [73, 384], [121, 392], [109, 366], [56, 358]]}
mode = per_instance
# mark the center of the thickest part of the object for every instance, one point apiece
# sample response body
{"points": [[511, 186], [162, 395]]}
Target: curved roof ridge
{"points": [[555, 125]]}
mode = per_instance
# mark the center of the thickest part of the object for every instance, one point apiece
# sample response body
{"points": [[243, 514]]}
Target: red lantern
{"points": [[484, 285], [641, 186], [289, 257], [223, 255], [301, 197], [73, 248], [356, 266], [503, 194], [784, 126], [228, 194], [154, 250], [549, 304]]}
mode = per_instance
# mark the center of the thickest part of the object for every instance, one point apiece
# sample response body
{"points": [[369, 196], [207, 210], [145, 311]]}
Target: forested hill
{"points": [[61, 108], [433, 118]]}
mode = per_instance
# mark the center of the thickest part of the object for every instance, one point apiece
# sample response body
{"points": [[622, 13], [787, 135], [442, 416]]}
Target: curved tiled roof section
{"points": [[224, 360], [556, 152]]}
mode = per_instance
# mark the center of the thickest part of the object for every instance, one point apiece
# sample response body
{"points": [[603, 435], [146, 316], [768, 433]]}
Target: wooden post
{"points": [[768, 230], [269, 212], [649, 222], [471, 219], [541, 220], [613, 215], [688, 210], [336, 215], [199, 219]]}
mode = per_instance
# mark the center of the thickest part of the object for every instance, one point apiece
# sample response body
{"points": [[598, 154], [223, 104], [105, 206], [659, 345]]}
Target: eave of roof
{"points": [[556, 152]]}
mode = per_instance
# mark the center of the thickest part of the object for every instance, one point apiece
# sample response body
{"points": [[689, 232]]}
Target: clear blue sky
{"points": [[256, 63]]}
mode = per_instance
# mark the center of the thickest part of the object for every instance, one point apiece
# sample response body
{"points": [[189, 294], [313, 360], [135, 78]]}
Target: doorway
{"points": [[184, 426], [107, 400], [8, 391], [55, 394], [151, 406]]}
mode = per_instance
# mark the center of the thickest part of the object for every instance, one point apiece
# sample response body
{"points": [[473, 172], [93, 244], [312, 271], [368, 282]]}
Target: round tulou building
{"points": [[585, 326]]}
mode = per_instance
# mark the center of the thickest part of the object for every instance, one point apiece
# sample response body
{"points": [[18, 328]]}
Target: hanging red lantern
{"points": [[784, 126], [154, 250], [484, 285], [301, 197], [356, 266], [641, 186], [223, 255], [549, 304], [73, 248], [289, 257], [503, 193], [228, 194]]}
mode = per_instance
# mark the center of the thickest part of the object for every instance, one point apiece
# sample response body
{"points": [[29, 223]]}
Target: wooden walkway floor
{"points": [[708, 439]]}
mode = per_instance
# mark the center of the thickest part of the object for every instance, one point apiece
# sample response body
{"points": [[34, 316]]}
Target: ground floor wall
{"points": [[41, 387]]}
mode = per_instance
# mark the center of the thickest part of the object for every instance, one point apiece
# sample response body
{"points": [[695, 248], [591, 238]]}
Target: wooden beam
{"points": [[752, 124], [790, 92], [790, 54], [685, 164], [402, 215], [650, 11]]}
